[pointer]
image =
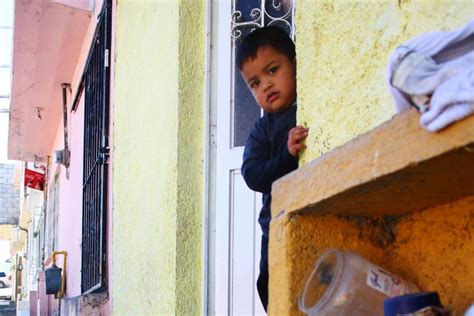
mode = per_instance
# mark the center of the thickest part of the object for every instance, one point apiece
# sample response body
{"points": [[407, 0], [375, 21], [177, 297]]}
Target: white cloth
{"points": [[470, 311], [435, 73]]}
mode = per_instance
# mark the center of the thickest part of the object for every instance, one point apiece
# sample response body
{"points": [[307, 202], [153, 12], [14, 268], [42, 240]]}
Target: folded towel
{"points": [[434, 72], [451, 101]]}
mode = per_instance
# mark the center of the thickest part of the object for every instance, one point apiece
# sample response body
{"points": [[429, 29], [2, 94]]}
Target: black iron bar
{"points": [[96, 83]]}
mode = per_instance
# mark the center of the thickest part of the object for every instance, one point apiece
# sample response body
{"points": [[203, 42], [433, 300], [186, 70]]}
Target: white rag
{"points": [[470, 311], [435, 73]]}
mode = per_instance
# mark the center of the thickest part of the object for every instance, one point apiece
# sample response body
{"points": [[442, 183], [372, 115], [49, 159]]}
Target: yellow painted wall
{"points": [[191, 153], [433, 249], [342, 50], [5, 232], [158, 155]]}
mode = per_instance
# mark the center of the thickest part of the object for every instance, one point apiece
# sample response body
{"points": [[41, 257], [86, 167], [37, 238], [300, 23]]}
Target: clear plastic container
{"points": [[343, 283]]}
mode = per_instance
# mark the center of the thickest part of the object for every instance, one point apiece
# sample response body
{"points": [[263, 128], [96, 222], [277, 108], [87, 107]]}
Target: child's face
{"points": [[271, 77]]}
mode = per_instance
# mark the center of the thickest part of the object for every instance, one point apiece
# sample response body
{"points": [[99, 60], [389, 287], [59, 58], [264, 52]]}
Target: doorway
{"points": [[236, 234]]}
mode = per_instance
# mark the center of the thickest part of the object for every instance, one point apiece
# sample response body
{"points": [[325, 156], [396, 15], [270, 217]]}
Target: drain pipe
{"points": [[65, 154]]}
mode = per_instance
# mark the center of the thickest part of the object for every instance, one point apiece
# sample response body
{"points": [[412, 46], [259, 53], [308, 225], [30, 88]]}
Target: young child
{"points": [[266, 59]]}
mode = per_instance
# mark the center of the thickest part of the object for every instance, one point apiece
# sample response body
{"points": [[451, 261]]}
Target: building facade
{"points": [[134, 108], [10, 195]]}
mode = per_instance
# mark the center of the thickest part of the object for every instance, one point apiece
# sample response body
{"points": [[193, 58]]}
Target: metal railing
{"points": [[96, 83]]}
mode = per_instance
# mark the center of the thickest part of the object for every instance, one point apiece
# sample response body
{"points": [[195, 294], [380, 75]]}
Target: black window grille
{"points": [[95, 83]]}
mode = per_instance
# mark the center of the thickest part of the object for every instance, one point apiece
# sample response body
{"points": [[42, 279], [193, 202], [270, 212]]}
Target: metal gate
{"points": [[96, 83]]}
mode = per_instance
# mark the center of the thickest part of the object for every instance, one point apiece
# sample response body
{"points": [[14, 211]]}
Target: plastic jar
{"points": [[343, 283]]}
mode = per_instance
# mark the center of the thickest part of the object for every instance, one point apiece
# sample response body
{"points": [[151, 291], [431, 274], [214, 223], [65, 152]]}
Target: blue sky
{"points": [[6, 35]]}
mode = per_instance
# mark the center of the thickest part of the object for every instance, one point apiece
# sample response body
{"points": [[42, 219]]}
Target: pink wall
{"points": [[46, 301], [48, 41], [70, 200], [70, 190]]}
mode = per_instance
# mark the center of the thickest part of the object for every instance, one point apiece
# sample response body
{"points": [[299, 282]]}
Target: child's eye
{"points": [[254, 84], [272, 70]]}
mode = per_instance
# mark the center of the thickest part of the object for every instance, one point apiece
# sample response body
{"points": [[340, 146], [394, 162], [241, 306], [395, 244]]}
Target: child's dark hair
{"points": [[272, 36]]}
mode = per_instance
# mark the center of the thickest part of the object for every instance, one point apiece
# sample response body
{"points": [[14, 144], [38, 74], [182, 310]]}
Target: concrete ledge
{"points": [[88, 304], [394, 169], [397, 168]]}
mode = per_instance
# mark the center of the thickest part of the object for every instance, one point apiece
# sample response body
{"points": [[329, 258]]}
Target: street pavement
{"points": [[7, 308]]}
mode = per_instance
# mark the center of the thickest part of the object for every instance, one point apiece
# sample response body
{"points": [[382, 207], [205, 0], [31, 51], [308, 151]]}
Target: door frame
{"points": [[210, 152], [216, 264]]}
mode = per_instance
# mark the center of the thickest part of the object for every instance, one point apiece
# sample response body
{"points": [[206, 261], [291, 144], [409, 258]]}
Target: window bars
{"points": [[246, 16], [96, 83], [252, 14]]}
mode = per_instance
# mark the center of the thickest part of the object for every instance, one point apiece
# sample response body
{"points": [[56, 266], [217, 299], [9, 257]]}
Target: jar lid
{"points": [[410, 303]]}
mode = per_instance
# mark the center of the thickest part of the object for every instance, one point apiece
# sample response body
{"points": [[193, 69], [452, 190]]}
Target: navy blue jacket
{"points": [[266, 157]]}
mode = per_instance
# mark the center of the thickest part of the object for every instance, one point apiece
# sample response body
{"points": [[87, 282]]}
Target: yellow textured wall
{"points": [[432, 248], [191, 170], [342, 49], [158, 158]]}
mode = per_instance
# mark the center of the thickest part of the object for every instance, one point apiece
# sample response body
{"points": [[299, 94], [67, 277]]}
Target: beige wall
{"points": [[158, 171], [5, 232]]}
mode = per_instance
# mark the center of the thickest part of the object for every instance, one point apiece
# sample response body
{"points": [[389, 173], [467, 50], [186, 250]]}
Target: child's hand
{"points": [[296, 135]]}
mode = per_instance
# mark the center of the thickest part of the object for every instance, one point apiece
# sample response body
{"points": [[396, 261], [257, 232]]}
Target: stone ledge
{"points": [[396, 168], [87, 304]]}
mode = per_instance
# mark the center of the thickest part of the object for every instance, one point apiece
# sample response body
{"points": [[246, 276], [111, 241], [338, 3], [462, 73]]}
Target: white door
{"points": [[237, 232]]}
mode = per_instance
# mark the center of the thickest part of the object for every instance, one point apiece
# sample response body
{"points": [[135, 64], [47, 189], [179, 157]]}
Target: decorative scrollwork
{"points": [[237, 25], [283, 16], [277, 6], [284, 22], [261, 16]]}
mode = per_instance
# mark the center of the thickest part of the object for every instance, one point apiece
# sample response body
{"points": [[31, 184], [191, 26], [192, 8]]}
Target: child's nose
{"points": [[267, 84]]}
